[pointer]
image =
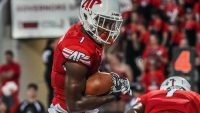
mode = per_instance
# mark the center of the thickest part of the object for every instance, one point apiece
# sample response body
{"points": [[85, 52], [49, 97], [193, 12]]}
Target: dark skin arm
{"points": [[75, 83], [137, 108], [6, 75]]}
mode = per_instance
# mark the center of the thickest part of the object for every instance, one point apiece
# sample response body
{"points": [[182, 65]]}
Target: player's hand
{"points": [[120, 84]]}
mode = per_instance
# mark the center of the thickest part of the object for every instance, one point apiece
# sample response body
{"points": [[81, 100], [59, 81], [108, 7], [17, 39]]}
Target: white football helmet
{"points": [[101, 15], [176, 82]]}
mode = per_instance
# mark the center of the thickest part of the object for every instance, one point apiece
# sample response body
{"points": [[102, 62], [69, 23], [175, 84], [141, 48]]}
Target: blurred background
{"points": [[159, 38]]}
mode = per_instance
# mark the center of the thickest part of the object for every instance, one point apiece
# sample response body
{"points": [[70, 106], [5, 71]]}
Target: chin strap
{"points": [[91, 35]]}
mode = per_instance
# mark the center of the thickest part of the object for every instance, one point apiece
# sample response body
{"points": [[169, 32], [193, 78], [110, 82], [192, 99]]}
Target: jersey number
{"points": [[183, 62]]}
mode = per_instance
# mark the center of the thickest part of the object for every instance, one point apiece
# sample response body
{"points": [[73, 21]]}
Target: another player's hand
{"points": [[120, 85]]}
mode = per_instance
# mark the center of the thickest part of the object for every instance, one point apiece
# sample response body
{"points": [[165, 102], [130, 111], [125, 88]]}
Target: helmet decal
{"points": [[88, 4]]}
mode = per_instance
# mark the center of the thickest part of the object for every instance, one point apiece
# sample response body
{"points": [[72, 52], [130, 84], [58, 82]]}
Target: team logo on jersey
{"points": [[88, 4], [76, 56]]}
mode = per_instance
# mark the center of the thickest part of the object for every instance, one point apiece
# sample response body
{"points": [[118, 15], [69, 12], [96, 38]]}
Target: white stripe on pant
{"points": [[58, 109]]}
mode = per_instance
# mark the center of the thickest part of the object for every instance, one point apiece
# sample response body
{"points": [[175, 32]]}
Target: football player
{"points": [[174, 96], [78, 55]]}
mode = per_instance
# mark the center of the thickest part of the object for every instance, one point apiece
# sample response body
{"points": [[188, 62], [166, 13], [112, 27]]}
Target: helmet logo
{"points": [[88, 4]]}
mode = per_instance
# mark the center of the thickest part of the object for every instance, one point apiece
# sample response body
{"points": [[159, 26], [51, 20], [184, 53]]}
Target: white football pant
{"points": [[58, 109]]}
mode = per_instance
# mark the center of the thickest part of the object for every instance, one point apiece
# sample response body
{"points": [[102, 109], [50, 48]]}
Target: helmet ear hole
{"points": [[85, 16]]}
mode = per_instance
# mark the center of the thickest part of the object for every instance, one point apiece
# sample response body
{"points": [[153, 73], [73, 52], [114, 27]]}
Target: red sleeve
{"points": [[196, 8], [165, 55], [145, 53], [17, 71], [76, 53], [144, 98], [155, 3], [144, 81], [196, 101], [165, 27], [161, 77], [198, 27], [1, 69]]}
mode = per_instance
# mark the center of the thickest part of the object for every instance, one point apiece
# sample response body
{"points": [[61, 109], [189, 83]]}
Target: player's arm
{"points": [[75, 83], [6, 75], [137, 108]]}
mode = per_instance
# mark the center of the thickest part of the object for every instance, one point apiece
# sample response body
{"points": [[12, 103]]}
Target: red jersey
{"points": [[196, 8], [190, 24], [177, 37], [157, 24], [77, 47], [198, 27], [180, 102], [169, 8], [145, 37], [155, 53], [151, 51], [15, 67], [152, 80], [155, 3], [197, 48]]}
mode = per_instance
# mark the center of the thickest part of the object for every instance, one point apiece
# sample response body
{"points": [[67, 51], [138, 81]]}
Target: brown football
{"points": [[99, 83]]}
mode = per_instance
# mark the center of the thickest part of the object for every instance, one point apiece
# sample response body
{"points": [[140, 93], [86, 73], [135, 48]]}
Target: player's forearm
{"points": [[197, 17], [6, 75], [132, 111], [135, 111], [3, 76], [90, 102]]}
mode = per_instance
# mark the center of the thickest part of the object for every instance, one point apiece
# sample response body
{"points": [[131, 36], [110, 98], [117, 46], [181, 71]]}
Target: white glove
{"points": [[120, 84], [9, 88]]}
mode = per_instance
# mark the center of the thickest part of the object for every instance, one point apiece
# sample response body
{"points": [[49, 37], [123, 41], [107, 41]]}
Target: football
{"points": [[99, 83]]}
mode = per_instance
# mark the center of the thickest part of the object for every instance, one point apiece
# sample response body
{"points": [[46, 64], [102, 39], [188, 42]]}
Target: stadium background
{"points": [[158, 16]]}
